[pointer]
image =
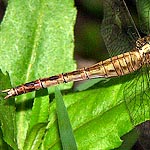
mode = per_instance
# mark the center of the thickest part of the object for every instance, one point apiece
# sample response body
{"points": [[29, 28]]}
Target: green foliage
{"points": [[37, 41], [34, 137], [7, 116]]}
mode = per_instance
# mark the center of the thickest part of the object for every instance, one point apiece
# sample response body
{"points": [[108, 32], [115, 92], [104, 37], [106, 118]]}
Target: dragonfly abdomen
{"points": [[46, 82], [116, 66], [112, 67]]}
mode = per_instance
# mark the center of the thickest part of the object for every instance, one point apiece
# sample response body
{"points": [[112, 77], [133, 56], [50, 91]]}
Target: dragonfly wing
{"points": [[118, 29], [143, 8], [137, 100]]}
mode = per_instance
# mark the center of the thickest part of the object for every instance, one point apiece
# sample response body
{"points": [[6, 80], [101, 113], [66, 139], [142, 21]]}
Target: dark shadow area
{"points": [[3, 5]]}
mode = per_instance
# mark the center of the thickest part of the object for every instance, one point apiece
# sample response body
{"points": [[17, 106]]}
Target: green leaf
{"points": [[7, 115], [98, 117], [66, 134], [36, 41]]}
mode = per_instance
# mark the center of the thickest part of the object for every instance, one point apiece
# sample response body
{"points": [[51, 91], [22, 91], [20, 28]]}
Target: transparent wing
{"points": [[137, 99], [137, 96], [143, 8], [118, 29]]}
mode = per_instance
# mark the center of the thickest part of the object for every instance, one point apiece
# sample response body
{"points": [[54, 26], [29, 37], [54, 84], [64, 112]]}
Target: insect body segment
{"points": [[112, 67]]}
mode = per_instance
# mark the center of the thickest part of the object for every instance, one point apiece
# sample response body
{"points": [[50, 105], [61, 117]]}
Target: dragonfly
{"points": [[129, 53], [116, 66]]}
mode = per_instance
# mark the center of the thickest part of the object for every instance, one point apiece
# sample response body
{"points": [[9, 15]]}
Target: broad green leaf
{"points": [[98, 117], [65, 129], [7, 115], [36, 41], [34, 36]]}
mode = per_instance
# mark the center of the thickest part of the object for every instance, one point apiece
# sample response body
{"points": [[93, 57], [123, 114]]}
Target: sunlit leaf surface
{"points": [[36, 40]]}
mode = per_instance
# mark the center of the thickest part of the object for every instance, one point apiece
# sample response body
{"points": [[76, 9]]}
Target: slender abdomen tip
{"points": [[9, 94]]}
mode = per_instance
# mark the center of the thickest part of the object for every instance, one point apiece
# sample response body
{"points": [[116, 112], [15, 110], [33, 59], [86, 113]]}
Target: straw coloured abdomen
{"points": [[112, 67]]}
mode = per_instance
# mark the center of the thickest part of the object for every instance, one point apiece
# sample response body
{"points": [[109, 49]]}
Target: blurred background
{"points": [[89, 45]]}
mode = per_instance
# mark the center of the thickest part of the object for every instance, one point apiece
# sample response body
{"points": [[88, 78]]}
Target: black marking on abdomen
{"points": [[29, 84], [64, 78], [86, 73], [112, 61], [126, 63], [122, 71], [53, 77]]}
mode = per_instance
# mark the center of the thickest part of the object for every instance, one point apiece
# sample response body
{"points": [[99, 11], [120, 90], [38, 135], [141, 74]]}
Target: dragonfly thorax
{"points": [[143, 45], [145, 49]]}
